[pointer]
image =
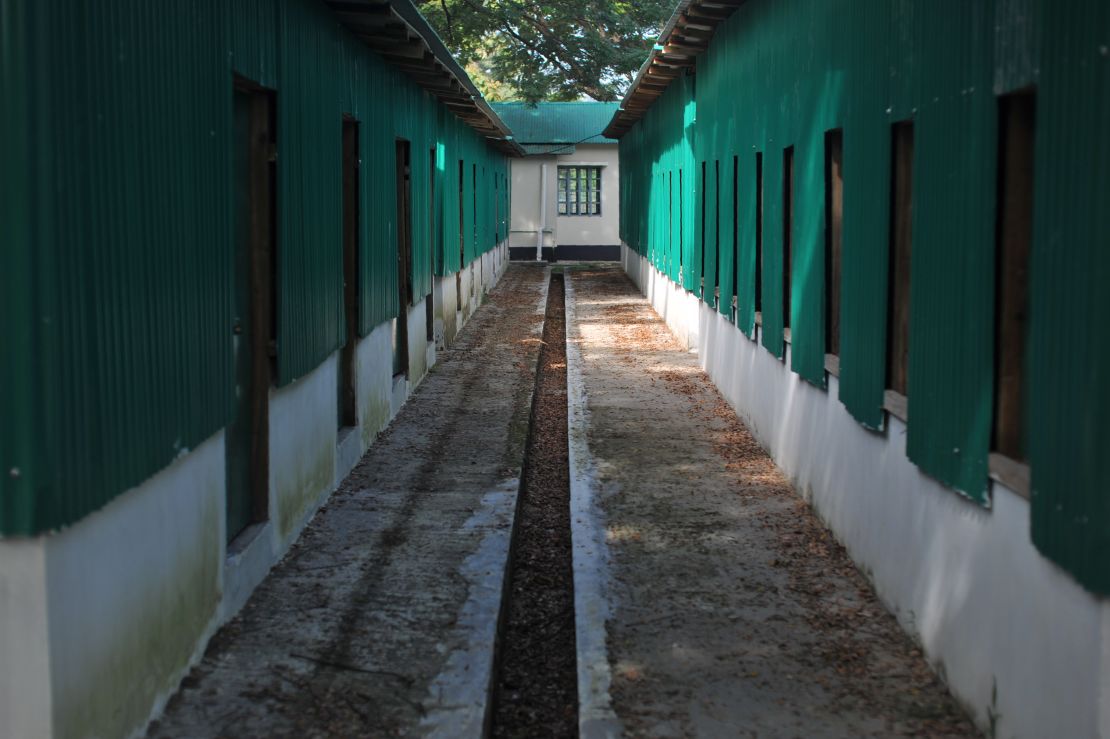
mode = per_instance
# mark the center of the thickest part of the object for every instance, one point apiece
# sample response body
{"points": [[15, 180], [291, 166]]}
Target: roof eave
{"points": [[397, 31], [668, 58]]}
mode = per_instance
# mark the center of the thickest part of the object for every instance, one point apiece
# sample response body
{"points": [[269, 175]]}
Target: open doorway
{"points": [[404, 259], [254, 324], [462, 239], [348, 399], [433, 245]]}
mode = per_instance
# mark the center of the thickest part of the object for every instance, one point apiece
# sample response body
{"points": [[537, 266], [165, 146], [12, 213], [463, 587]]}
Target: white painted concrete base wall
{"points": [[1024, 647], [99, 622]]}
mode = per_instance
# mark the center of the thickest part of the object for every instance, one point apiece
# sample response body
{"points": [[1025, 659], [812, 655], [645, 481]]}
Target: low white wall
{"points": [[1023, 646], [25, 697], [100, 621]]}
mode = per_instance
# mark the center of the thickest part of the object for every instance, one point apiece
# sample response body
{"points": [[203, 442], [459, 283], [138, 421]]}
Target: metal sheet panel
{"points": [[254, 40], [952, 259], [1068, 355], [578, 122], [309, 243], [128, 245], [19, 424], [782, 74], [117, 184]]}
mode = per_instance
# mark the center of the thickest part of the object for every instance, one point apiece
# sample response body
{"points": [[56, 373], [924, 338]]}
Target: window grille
{"points": [[579, 191]]}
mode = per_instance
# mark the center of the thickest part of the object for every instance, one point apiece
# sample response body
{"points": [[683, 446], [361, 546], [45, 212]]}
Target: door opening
{"points": [[433, 245], [462, 241], [348, 413], [254, 326], [404, 260]]}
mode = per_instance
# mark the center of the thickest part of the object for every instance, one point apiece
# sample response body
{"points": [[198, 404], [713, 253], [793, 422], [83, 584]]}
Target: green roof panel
{"points": [[557, 123]]}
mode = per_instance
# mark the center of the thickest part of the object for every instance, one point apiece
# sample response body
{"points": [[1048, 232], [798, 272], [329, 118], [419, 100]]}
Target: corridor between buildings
{"points": [[790, 423], [708, 598]]}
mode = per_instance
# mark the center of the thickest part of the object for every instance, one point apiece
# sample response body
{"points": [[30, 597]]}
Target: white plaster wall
{"points": [[569, 230], [591, 230], [25, 696], [449, 306], [303, 426], [524, 218], [1019, 642], [374, 382]]}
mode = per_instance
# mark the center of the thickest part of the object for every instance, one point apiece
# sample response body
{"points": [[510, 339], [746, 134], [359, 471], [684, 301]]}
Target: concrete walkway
{"points": [[381, 620], [711, 601]]}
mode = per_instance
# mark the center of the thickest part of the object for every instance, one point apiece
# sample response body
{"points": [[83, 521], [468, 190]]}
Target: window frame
{"points": [[591, 176]]}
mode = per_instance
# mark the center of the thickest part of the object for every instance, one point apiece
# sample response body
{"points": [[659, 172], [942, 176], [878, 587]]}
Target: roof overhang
{"points": [[397, 31], [686, 34]]}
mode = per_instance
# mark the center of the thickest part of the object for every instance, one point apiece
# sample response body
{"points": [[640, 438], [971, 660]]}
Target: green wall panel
{"points": [[19, 424], [254, 40], [952, 259], [116, 198], [125, 315], [862, 91], [1068, 356], [309, 199]]}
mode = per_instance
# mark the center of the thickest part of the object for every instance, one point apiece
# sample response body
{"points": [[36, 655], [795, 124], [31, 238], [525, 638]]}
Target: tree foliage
{"points": [[560, 50]]}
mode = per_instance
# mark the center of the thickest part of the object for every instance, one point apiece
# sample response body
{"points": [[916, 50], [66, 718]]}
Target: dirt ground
{"points": [[733, 610], [536, 693]]}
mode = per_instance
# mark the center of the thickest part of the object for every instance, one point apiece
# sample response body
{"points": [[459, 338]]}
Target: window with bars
{"points": [[579, 191]]}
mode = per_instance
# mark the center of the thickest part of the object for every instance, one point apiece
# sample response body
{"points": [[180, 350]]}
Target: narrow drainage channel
{"points": [[535, 688]]}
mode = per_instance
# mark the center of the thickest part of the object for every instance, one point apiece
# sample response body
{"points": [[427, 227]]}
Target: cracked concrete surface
{"points": [[382, 618]]}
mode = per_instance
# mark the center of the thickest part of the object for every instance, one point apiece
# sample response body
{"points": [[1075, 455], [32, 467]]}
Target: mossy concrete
{"points": [[122, 635], [303, 428]]}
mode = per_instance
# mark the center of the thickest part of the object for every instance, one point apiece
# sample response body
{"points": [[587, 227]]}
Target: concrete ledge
{"points": [[596, 718]]}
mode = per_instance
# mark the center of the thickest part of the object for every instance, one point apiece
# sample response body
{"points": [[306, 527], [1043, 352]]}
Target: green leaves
{"points": [[565, 50]]}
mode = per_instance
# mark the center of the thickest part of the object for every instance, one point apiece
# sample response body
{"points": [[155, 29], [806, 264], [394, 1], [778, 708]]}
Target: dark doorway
{"points": [[787, 230], [474, 225], [901, 200], [348, 414], [254, 324], [758, 294], [462, 241], [433, 245], [404, 259], [1016, 138]]}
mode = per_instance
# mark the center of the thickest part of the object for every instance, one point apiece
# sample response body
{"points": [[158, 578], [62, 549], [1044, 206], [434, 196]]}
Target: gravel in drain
{"points": [[535, 691]]}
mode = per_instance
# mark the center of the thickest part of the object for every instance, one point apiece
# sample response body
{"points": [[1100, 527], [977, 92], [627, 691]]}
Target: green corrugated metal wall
{"points": [[119, 256], [1069, 350], [17, 369], [782, 74]]}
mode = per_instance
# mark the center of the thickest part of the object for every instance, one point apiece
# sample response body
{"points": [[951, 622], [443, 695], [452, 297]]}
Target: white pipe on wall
{"points": [[543, 213]]}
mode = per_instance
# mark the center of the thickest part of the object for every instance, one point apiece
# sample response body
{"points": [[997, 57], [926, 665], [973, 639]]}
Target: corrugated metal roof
{"points": [[685, 35], [557, 123], [549, 148]]}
